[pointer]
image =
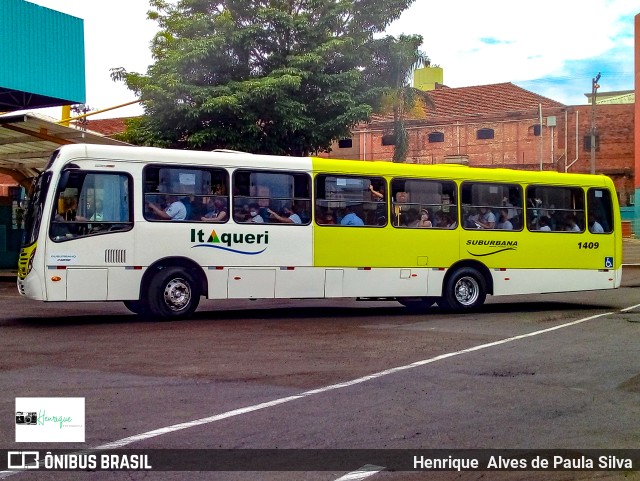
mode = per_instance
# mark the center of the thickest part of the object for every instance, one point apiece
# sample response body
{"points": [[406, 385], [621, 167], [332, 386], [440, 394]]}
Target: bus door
{"points": [[90, 238]]}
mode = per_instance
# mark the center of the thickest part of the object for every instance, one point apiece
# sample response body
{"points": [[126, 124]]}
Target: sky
{"points": [[551, 47]]}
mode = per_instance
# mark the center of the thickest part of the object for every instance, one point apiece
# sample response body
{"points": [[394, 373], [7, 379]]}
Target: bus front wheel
{"points": [[174, 293], [464, 290]]}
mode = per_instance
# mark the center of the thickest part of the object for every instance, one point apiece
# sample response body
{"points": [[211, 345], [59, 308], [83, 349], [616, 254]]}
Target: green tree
{"points": [[397, 59], [268, 76]]}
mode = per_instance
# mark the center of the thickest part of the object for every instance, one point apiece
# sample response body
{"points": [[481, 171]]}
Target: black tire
{"points": [[173, 293], [417, 303], [464, 290], [137, 307]]}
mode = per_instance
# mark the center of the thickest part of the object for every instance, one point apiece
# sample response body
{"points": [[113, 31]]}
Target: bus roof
{"points": [[234, 159]]}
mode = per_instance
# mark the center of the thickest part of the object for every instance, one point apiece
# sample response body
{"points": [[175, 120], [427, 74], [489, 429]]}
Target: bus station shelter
{"points": [[26, 144]]}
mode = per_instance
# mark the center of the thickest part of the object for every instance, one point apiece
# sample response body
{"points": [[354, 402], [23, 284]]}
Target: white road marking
{"points": [[257, 407], [626, 309], [364, 472]]}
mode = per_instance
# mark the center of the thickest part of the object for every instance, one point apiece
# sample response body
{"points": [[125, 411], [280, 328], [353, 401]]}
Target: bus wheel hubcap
{"points": [[467, 291], [177, 294]]}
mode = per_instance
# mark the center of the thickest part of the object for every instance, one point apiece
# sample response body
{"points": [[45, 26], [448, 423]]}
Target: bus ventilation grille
{"points": [[115, 256]]}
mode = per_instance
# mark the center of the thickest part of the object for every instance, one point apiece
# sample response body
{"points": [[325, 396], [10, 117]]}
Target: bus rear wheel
{"points": [[173, 293], [464, 290]]}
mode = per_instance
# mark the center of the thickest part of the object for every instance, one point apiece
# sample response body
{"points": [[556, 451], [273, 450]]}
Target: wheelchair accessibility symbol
{"points": [[608, 262]]}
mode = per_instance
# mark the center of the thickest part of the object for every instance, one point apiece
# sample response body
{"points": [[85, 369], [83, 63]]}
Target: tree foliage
{"points": [[395, 60], [269, 76]]}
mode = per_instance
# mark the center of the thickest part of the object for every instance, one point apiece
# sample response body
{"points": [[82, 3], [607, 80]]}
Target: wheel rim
{"points": [[467, 291], [177, 294]]}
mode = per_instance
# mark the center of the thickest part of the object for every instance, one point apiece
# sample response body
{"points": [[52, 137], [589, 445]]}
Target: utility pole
{"points": [[594, 89]]}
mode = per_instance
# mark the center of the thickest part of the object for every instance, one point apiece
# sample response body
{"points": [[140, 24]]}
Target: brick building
{"points": [[498, 125]]}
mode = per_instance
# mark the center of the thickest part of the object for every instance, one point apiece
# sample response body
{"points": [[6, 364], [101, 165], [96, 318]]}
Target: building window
{"points": [[345, 143], [587, 142], [535, 130], [484, 134], [388, 139], [436, 137]]}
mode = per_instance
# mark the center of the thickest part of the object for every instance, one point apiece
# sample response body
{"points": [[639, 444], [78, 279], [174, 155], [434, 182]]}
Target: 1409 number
{"points": [[588, 245]]}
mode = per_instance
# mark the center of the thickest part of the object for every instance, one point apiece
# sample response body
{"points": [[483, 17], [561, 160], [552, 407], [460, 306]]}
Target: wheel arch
{"points": [[479, 266], [182, 262]]}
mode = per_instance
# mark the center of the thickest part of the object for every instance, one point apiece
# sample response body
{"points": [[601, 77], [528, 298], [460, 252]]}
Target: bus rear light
{"points": [[56, 278], [288, 268], [61, 268], [364, 268]]}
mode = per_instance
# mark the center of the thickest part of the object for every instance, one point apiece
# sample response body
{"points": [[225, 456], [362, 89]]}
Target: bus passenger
{"points": [[504, 223], [543, 224], [254, 214], [486, 220], [177, 210], [411, 218], [594, 225], [572, 223], [98, 214], [378, 195], [424, 219], [216, 210], [326, 219], [351, 218], [290, 215]]}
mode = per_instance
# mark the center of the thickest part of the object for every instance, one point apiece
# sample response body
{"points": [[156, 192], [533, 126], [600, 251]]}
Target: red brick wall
{"points": [[615, 155], [514, 144]]}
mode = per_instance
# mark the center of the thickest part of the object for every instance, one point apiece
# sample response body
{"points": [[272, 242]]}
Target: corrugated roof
{"points": [[28, 140]]}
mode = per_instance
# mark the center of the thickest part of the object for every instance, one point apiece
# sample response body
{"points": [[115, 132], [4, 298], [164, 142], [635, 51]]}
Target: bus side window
{"points": [[271, 197], [491, 206], [193, 194], [92, 203], [555, 209], [599, 211], [349, 200], [424, 203]]}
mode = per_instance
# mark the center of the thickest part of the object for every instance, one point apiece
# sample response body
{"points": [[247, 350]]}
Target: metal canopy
{"points": [[28, 140]]}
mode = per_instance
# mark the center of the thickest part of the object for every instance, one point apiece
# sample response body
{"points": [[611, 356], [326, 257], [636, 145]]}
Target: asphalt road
{"points": [[292, 374]]}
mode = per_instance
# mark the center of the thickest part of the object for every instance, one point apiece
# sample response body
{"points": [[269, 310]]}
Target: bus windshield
{"points": [[35, 206]]}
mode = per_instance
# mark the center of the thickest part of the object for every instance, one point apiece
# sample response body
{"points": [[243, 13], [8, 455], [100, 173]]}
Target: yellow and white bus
{"points": [[159, 228]]}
